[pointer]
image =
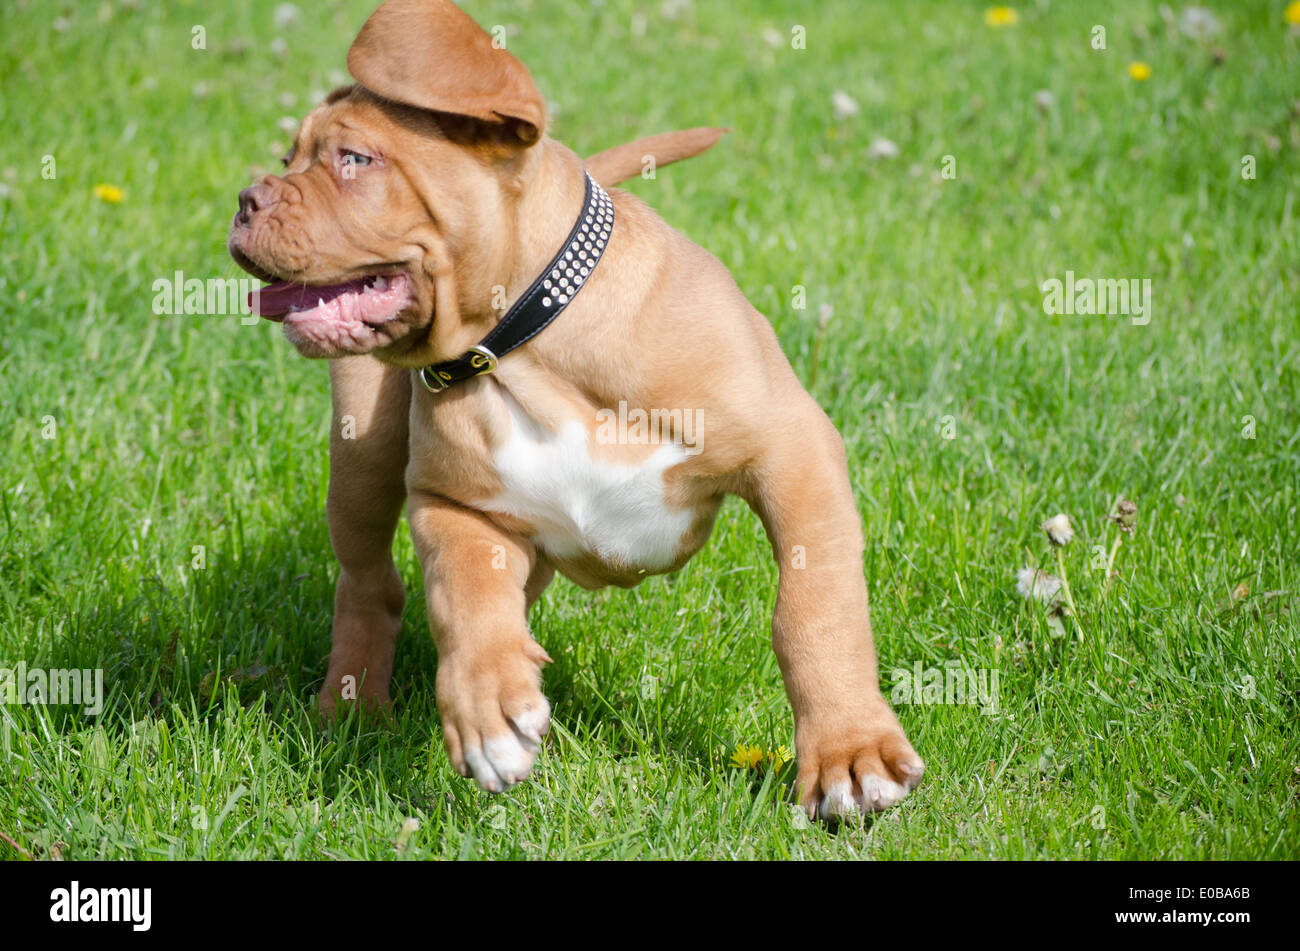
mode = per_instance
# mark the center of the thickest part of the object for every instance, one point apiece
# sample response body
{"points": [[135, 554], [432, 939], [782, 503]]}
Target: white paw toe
{"points": [[534, 721], [482, 771], [838, 801], [502, 761], [880, 793], [511, 757], [912, 772]]}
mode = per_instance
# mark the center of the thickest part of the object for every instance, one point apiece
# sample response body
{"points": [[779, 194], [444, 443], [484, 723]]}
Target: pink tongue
{"points": [[276, 300]]}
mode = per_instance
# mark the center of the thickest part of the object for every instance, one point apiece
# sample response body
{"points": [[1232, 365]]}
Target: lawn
{"points": [[899, 182]]}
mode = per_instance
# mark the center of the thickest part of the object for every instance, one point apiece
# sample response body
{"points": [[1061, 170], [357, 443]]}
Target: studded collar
{"points": [[554, 288]]}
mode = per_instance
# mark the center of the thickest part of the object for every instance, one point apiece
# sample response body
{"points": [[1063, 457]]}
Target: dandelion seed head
{"points": [[1125, 515], [1059, 530], [1198, 23], [1037, 585]]}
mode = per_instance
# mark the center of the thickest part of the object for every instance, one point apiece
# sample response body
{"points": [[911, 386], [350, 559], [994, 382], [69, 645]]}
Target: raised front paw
{"points": [[493, 712], [860, 762]]}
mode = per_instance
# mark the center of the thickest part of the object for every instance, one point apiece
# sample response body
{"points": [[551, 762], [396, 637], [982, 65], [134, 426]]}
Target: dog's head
{"points": [[393, 187]]}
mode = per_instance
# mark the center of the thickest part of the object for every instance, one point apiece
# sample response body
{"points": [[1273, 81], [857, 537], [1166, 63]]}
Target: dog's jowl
{"points": [[488, 300]]}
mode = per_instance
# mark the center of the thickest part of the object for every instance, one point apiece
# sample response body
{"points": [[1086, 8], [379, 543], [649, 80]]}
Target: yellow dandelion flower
{"points": [[109, 193], [1005, 16], [779, 757], [1292, 13], [1139, 71], [747, 757]]}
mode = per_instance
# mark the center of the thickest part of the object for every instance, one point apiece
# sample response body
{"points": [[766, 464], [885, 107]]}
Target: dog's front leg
{"points": [[478, 580], [850, 749], [368, 453]]}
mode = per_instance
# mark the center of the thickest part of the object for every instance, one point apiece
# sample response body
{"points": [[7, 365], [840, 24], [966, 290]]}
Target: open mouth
{"points": [[366, 302]]}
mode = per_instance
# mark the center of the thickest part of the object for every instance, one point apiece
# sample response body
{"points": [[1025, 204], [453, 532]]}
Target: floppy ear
{"points": [[432, 55]]}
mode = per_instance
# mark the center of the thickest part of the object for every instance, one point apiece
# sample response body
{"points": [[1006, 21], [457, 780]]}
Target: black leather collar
{"points": [[563, 278]]}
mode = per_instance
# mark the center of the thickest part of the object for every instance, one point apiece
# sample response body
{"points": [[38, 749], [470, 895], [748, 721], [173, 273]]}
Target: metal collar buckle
{"points": [[432, 382], [480, 359]]}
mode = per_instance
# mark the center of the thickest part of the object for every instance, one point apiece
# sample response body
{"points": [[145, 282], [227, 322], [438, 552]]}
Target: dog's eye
{"points": [[355, 158]]}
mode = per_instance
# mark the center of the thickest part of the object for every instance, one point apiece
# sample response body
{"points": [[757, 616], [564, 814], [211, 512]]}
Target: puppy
{"points": [[550, 378]]}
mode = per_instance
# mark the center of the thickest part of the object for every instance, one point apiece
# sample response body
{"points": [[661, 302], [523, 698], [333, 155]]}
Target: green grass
{"points": [[1167, 731]]}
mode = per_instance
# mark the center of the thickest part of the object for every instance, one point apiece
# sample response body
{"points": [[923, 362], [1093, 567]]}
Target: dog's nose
{"points": [[251, 200]]}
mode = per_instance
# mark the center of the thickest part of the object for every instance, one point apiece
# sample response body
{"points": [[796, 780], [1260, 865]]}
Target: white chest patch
{"points": [[579, 505]]}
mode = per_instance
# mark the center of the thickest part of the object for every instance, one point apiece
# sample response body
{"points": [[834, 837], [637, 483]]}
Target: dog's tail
{"points": [[632, 158]]}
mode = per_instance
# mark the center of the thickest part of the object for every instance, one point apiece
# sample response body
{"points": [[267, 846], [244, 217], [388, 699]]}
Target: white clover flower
{"points": [[882, 149], [673, 9], [844, 105], [286, 15]]}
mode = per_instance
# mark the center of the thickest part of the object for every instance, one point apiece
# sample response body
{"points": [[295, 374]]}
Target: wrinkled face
{"points": [[375, 202]]}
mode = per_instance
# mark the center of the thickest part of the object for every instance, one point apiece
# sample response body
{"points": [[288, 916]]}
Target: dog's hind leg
{"points": [[368, 453], [542, 574], [851, 751]]}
